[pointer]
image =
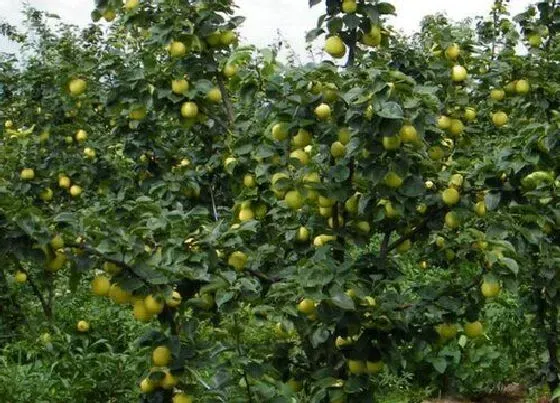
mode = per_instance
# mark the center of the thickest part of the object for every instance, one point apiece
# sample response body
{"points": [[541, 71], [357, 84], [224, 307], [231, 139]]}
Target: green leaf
{"points": [[440, 364], [351, 21], [510, 264], [386, 8], [335, 25], [413, 186], [343, 301], [319, 336], [492, 200], [339, 173], [390, 110]]}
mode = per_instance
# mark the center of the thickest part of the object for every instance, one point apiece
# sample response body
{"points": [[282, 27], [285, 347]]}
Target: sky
{"points": [[266, 18]]}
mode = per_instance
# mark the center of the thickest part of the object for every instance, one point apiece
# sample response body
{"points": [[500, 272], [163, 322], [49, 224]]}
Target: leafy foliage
{"points": [[231, 201]]}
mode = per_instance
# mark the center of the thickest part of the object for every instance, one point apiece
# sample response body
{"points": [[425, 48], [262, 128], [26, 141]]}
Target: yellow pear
{"points": [[373, 37], [480, 208], [447, 331], [177, 49], [469, 114], [182, 398], [374, 367], [246, 214], [356, 367], [302, 234], [140, 312], [146, 386], [335, 47], [452, 220], [301, 156], [280, 131], [174, 300], [81, 136], [100, 286], [499, 119], [534, 40], [230, 70], [522, 87], [214, 95], [458, 73], [363, 226], [443, 122], [228, 37], [154, 304], [130, 5], [490, 289], [189, 110], [497, 94], [161, 356], [473, 329], [391, 142], [450, 196], [249, 181], [137, 113], [408, 134], [294, 200], [452, 52], [349, 6], [323, 112], [393, 180], [77, 86], [75, 190], [302, 138], [20, 277], [338, 149], [27, 174], [109, 15], [404, 246], [82, 326], [344, 135], [179, 86], [456, 128], [306, 306], [118, 295], [237, 260]]}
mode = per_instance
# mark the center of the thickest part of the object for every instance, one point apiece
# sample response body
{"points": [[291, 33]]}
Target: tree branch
{"points": [[225, 98], [44, 304], [240, 353], [384, 248], [412, 233], [262, 276], [95, 252], [352, 48]]}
